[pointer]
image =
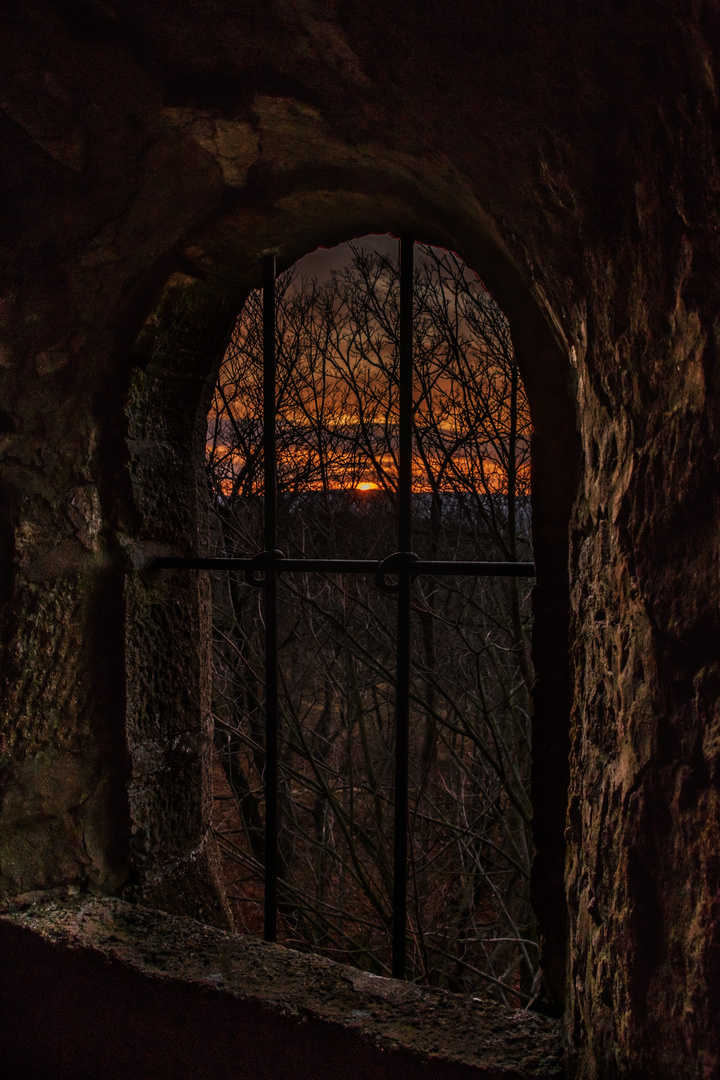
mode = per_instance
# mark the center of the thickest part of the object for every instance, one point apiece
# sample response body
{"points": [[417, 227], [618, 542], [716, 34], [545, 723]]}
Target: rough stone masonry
{"points": [[150, 154]]}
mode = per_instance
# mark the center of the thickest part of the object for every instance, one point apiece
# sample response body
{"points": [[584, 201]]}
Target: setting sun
{"points": [[367, 485]]}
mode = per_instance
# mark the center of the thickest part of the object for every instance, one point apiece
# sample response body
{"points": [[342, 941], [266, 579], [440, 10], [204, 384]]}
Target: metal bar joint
{"points": [[397, 563], [266, 561]]}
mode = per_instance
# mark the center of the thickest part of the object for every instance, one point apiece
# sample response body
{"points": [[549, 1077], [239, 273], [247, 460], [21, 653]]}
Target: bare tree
{"points": [[337, 345]]}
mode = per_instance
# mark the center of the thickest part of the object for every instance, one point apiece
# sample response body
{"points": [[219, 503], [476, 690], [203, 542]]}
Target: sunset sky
{"points": [[347, 460], [321, 262]]}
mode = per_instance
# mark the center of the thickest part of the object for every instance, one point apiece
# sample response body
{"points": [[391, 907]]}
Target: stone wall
{"points": [[643, 872], [150, 156]]}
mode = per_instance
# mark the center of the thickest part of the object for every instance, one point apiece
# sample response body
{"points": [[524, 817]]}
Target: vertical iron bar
{"points": [[271, 635], [402, 701], [406, 395]]}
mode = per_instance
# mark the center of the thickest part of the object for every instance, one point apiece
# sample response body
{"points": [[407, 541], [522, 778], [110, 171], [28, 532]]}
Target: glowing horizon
{"points": [[350, 472]]}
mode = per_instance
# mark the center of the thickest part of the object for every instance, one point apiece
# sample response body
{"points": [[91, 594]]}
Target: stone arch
{"points": [[177, 356]]}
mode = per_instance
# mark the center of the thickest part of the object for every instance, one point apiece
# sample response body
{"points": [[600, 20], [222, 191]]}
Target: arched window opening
{"points": [[337, 340]]}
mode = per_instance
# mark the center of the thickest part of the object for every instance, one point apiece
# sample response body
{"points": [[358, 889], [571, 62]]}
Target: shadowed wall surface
{"points": [[150, 156]]}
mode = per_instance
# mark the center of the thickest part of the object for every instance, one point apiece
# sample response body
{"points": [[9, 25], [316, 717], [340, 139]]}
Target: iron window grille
{"points": [[403, 564]]}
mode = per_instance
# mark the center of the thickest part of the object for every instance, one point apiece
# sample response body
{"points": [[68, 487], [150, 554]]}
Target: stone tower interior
{"points": [[152, 154]]}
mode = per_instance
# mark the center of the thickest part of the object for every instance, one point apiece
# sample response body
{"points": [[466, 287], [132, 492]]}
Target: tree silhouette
{"points": [[337, 346]]}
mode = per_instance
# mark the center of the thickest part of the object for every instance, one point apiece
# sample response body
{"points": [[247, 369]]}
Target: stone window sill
{"points": [[96, 987]]}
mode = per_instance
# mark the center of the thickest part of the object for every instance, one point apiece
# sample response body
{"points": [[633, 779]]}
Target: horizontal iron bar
{"points": [[353, 566]]}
